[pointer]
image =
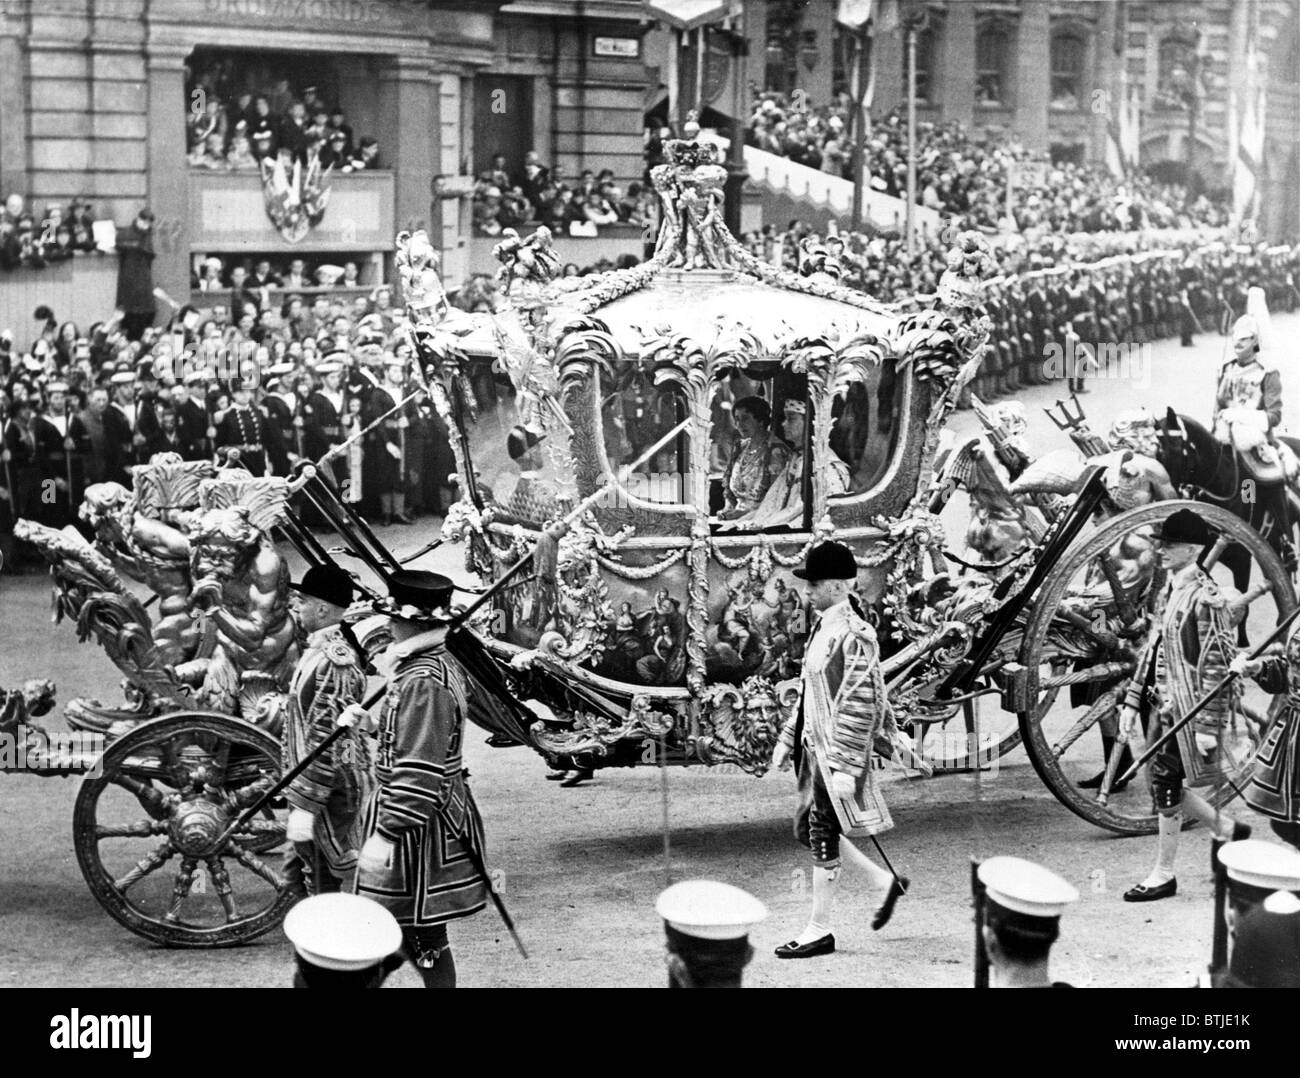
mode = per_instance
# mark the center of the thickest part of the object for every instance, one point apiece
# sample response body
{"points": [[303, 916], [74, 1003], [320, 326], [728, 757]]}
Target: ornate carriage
{"points": [[661, 622], [659, 447], [666, 617]]}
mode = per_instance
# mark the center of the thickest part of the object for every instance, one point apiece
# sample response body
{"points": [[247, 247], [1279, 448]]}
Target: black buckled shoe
{"points": [[577, 776], [501, 741], [1142, 893], [825, 945], [897, 888]]}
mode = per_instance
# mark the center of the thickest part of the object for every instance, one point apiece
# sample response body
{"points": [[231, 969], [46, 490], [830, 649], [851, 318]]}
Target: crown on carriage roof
{"points": [[689, 152]]}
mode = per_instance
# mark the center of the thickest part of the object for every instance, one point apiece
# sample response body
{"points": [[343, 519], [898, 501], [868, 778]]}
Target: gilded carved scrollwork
{"points": [[597, 734], [740, 724]]}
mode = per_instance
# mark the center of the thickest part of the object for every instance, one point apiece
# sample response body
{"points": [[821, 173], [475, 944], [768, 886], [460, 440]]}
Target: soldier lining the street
{"points": [[325, 800], [1193, 649], [830, 738], [1021, 920], [424, 848]]}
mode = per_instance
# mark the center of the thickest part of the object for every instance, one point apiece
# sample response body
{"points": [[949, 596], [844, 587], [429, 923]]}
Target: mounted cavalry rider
{"points": [[1247, 410]]}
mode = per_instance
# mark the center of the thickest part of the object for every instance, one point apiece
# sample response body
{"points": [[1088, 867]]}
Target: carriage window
{"points": [[756, 451], [517, 466], [635, 413], [865, 431]]}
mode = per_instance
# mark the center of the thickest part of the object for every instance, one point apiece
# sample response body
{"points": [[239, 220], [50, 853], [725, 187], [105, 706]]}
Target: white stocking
{"points": [[825, 882]]}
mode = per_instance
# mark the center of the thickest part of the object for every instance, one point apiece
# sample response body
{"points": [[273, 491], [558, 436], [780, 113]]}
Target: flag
{"points": [[1249, 112], [1123, 126], [854, 13]]}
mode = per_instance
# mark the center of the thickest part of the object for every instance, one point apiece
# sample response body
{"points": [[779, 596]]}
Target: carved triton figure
{"points": [[242, 584], [152, 553]]}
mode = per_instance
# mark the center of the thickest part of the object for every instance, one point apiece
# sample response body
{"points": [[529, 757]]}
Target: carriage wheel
{"points": [[1089, 676], [978, 734], [147, 827]]}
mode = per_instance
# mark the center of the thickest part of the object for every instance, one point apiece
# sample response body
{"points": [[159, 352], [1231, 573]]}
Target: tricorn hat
{"points": [[829, 561]]}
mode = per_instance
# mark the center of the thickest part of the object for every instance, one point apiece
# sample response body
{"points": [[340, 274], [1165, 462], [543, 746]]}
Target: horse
{"points": [[1204, 468]]}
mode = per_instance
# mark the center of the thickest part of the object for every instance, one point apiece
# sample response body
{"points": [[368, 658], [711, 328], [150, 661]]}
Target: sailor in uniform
{"points": [[707, 928], [1021, 919], [342, 941], [62, 443], [386, 449], [282, 407], [1248, 875], [1194, 645], [243, 429], [191, 416], [423, 856], [120, 429], [830, 739], [323, 418], [325, 800]]}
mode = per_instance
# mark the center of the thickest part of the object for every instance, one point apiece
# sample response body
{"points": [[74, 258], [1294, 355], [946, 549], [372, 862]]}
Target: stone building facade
{"points": [[93, 105], [1048, 71]]}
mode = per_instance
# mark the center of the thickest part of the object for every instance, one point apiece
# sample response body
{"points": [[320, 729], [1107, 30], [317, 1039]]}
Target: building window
{"points": [[1176, 59], [924, 65], [992, 47], [1067, 55]]}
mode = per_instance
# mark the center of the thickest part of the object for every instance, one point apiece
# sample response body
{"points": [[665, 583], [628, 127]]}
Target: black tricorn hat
{"points": [[829, 561], [1185, 526], [330, 583], [418, 595]]}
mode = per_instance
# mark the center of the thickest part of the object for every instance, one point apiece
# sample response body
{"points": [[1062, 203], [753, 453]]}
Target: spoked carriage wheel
{"points": [[976, 735], [1088, 670], [147, 827]]}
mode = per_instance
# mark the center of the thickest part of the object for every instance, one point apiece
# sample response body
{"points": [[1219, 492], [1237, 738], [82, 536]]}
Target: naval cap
{"points": [[707, 909], [342, 932], [1026, 888], [1266, 953], [1262, 864]]}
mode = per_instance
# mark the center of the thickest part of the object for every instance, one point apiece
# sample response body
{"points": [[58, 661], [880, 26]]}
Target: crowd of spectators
{"points": [[960, 172], [233, 128], [262, 275], [27, 240], [540, 197]]}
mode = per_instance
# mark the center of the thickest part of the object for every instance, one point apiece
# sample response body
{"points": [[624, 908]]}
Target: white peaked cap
{"points": [[708, 909], [1025, 887], [342, 932], [1262, 864]]}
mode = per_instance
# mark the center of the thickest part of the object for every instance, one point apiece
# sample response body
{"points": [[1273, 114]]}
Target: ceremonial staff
{"points": [[4, 453], [1205, 700], [68, 445]]}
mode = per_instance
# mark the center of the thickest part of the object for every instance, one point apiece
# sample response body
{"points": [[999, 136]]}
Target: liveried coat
{"points": [[423, 804], [842, 707]]}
